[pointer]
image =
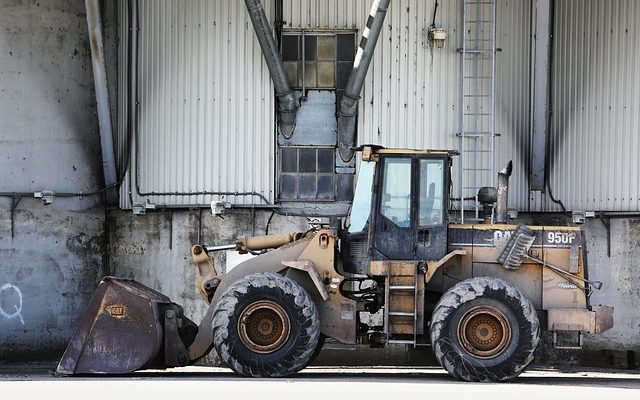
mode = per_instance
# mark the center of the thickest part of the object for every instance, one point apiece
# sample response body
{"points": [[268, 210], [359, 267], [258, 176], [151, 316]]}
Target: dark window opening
{"points": [[327, 57], [307, 173], [318, 63]]}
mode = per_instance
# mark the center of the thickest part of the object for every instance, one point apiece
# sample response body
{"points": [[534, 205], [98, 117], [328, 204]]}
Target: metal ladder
{"points": [[477, 136], [401, 319]]}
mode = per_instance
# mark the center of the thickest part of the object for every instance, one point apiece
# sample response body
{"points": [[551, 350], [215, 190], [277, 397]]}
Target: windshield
{"points": [[362, 199]]}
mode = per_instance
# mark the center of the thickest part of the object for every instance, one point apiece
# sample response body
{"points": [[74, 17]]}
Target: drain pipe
{"points": [[503, 193], [94, 25], [287, 101], [349, 104]]}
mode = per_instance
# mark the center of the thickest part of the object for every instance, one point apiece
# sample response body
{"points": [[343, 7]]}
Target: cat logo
{"points": [[116, 311], [500, 235]]}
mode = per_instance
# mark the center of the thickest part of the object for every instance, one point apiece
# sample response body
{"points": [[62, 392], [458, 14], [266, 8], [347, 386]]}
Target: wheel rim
{"points": [[484, 331], [264, 326]]}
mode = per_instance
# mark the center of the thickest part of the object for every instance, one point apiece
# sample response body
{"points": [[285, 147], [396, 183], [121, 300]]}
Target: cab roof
{"points": [[370, 151]]}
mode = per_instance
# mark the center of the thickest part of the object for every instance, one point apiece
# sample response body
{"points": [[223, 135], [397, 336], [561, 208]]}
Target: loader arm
{"points": [[207, 279], [309, 261]]}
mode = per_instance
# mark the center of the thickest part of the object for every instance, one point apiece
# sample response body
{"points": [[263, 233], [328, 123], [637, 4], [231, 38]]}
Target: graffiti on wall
{"points": [[11, 302]]}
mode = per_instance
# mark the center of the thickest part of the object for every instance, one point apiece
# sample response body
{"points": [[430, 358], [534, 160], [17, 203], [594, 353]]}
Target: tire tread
{"points": [[454, 360], [224, 312]]}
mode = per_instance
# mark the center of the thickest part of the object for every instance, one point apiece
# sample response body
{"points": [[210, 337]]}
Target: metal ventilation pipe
{"points": [[288, 103], [94, 23], [503, 193], [349, 104]]}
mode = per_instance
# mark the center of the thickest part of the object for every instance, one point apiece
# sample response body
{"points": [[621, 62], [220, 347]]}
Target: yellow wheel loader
{"points": [[399, 273]]}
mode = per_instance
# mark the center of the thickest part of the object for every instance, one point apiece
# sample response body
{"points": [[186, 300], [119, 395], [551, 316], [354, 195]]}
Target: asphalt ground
{"points": [[35, 381]]}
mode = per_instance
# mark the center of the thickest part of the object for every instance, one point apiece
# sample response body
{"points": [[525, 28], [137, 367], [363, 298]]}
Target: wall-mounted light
{"points": [[218, 207], [438, 36]]}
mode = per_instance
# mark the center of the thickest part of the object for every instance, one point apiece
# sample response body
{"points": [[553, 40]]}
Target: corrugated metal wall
{"points": [[411, 93], [596, 106], [206, 104], [206, 100], [513, 95], [410, 96]]}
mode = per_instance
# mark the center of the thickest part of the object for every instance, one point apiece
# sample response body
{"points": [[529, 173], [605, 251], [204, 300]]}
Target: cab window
{"points": [[431, 210], [361, 207], [396, 191]]}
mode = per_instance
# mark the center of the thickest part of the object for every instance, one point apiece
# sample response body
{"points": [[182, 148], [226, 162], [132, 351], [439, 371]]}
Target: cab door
{"points": [[393, 228], [432, 186], [410, 208]]}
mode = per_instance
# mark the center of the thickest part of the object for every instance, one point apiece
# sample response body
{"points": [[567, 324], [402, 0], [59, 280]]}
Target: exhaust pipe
{"points": [[349, 104], [503, 193], [287, 102]]}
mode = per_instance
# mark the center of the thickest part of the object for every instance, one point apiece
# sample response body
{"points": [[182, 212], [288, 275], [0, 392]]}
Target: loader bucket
{"points": [[126, 327]]}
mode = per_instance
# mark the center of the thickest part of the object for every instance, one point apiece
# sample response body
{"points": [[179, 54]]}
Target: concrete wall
{"points": [[155, 249], [48, 141], [619, 272]]}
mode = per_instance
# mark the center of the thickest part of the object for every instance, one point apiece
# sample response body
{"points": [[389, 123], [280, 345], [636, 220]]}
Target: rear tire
{"points": [[484, 330], [265, 325]]}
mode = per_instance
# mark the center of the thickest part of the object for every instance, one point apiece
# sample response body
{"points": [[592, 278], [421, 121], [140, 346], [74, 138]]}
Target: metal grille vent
{"points": [[517, 248]]}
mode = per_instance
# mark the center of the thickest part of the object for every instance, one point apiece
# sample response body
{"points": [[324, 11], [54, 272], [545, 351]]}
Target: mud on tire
{"points": [[484, 330], [265, 325]]}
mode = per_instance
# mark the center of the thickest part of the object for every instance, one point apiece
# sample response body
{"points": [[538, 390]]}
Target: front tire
{"points": [[266, 325], [484, 330]]}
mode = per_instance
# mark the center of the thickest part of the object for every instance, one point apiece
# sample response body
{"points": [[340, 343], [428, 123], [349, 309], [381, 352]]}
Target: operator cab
{"points": [[399, 209]]}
